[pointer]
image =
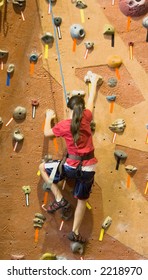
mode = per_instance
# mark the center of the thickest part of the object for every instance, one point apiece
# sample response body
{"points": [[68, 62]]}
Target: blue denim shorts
{"points": [[82, 186]]}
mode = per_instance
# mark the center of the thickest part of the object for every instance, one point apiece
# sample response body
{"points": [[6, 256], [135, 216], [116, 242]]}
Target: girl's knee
{"points": [[41, 167]]}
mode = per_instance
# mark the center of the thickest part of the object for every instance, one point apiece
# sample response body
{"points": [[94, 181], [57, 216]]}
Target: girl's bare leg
{"points": [[54, 188], [78, 216]]}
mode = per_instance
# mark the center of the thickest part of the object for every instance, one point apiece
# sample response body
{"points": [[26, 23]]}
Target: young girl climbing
{"points": [[80, 163]]}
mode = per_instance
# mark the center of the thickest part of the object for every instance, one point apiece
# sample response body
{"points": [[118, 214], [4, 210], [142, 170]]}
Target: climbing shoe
{"points": [[57, 205], [76, 237]]}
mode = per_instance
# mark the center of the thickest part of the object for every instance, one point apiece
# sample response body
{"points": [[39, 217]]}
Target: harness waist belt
{"points": [[86, 157]]}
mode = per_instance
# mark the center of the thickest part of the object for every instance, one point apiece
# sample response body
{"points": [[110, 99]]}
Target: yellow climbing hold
{"points": [[101, 234], [88, 205], [38, 173], [48, 256]]}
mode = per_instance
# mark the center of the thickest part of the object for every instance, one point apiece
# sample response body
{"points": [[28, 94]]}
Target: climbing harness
{"points": [[81, 159]]}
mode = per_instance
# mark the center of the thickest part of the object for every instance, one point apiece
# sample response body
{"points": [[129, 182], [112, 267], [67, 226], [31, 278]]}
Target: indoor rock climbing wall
{"points": [[39, 67]]}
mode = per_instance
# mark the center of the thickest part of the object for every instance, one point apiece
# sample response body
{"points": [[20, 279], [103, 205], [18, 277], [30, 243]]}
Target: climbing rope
{"points": [[58, 52]]}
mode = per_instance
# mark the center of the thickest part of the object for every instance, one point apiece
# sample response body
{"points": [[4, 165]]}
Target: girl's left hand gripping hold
{"points": [[50, 114]]}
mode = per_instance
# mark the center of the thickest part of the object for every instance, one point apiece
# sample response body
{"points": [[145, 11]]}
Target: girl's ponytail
{"points": [[77, 104]]}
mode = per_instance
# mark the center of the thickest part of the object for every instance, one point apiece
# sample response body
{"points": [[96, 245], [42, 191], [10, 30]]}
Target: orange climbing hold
{"points": [[31, 68], [36, 236], [74, 45], [55, 144], [128, 23], [45, 197], [128, 181]]}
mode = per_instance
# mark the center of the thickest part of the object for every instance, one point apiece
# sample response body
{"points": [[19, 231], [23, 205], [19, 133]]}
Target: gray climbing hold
{"points": [[17, 135], [1, 121], [34, 57], [112, 82], [37, 225], [10, 68], [118, 126], [40, 216], [89, 45], [130, 169], [38, 221], [111, 97], [3, 54], [46, 187], [47, 38], [19, 2], [120, 155], [80, 4], [145, 22], [77, 247], [60, 258], [19, 113], [77, 31], [93, 126]]}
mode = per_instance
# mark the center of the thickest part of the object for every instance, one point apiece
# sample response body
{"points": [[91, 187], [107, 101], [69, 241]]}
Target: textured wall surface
{"points": [[64, 70]]}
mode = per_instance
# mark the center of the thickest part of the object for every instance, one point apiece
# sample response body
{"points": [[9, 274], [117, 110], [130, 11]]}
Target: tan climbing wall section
{"points": [[20, 36]]}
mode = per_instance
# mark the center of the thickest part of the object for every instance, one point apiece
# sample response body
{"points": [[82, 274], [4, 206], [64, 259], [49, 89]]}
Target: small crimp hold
{"points": [[81, 5], [19, 2]]}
